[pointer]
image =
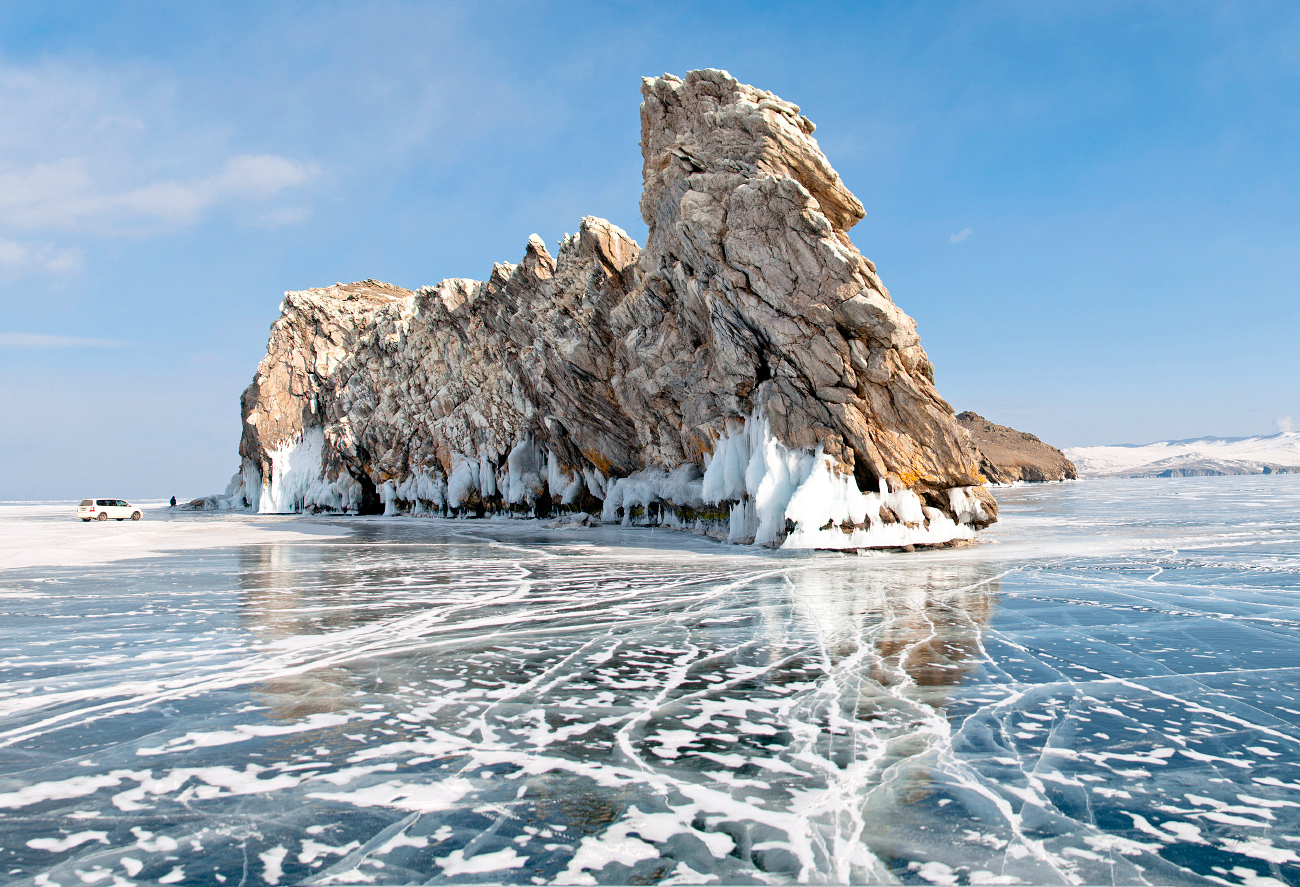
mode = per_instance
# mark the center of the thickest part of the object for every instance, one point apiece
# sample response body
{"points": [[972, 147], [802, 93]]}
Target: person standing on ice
{"points": [[173, 501]]}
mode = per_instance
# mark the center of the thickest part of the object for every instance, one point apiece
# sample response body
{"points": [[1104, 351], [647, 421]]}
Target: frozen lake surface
{"points": [[1106, 690]]}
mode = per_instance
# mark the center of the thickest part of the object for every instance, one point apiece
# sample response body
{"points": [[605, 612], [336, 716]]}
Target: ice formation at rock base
{"points": [[745, 375], [753, 490]]}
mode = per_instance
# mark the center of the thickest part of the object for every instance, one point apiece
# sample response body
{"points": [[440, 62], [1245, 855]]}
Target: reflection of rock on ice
{"points": [[896, 639], [278, 582], [911, 626], [800, 747]]}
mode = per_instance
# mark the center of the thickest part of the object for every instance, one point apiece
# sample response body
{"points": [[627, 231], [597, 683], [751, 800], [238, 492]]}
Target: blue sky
{"points": [[1090, 208]]}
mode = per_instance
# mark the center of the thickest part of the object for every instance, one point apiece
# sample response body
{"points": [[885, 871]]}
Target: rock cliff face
{"points": [[745, 374], [1007, 455]]}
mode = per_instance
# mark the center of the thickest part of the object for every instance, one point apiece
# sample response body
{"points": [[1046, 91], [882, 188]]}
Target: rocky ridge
{"points": [[745, 374], [1008, 455]]}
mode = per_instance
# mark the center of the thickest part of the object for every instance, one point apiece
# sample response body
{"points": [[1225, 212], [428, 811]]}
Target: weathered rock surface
{"points": [[747, 356], [1008, 455]]}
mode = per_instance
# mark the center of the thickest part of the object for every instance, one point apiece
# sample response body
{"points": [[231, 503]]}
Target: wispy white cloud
{"points": [[88, 149], [961, 235], [1286, 423], [18, 258], [281, 216], [64, 194], [38, 340]]}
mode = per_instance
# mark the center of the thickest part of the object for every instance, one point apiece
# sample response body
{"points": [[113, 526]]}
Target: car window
{"points": [[101, 502], [122, 503], [85, 502]]}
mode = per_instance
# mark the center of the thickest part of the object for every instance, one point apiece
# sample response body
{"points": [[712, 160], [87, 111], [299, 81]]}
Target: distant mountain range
{"points": [[1273, 454]]}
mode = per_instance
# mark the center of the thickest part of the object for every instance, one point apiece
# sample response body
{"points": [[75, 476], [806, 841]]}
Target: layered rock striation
{"points": [[745, 374], [1008, 455]]}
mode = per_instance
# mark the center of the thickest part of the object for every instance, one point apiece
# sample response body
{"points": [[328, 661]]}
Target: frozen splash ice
{"points": [[770, 488], [1103, 693], [771, 495], [295, 468], [297, 481]]}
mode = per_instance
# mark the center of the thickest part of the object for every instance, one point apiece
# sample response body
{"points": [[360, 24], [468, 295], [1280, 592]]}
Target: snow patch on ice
{"points": [[1261, 848], [615, 846], [62, 845], [500, 860], [416, 798], [243, 732], [272, 862]]}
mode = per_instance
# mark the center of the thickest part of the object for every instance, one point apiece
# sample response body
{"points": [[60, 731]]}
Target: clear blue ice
{"points": [[1105, 689]]}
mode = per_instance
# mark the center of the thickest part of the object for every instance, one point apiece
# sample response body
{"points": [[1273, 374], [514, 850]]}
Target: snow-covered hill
{"points": [[1183, 458]]}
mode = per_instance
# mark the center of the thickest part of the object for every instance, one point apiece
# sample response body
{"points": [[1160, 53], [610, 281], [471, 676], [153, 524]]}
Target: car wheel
{"points": [[103, 515], [135, 515]]}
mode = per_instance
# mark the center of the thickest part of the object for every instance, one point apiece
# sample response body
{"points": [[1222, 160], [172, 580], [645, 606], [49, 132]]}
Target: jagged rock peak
{"points": [[747, 373], [711, 122]]}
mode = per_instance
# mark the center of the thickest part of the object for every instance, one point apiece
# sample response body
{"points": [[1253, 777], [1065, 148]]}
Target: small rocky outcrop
{"points": [[745, 374], [1007, 455]]}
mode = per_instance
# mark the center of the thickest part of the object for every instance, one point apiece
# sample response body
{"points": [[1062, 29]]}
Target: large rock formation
{"points": [[746, 373], [1008, 455]]}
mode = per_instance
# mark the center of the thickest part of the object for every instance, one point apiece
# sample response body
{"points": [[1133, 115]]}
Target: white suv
{"points": [[103, 509]]}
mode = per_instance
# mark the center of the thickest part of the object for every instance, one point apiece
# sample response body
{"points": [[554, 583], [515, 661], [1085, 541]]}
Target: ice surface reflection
{"points": [[1096, 695]]}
